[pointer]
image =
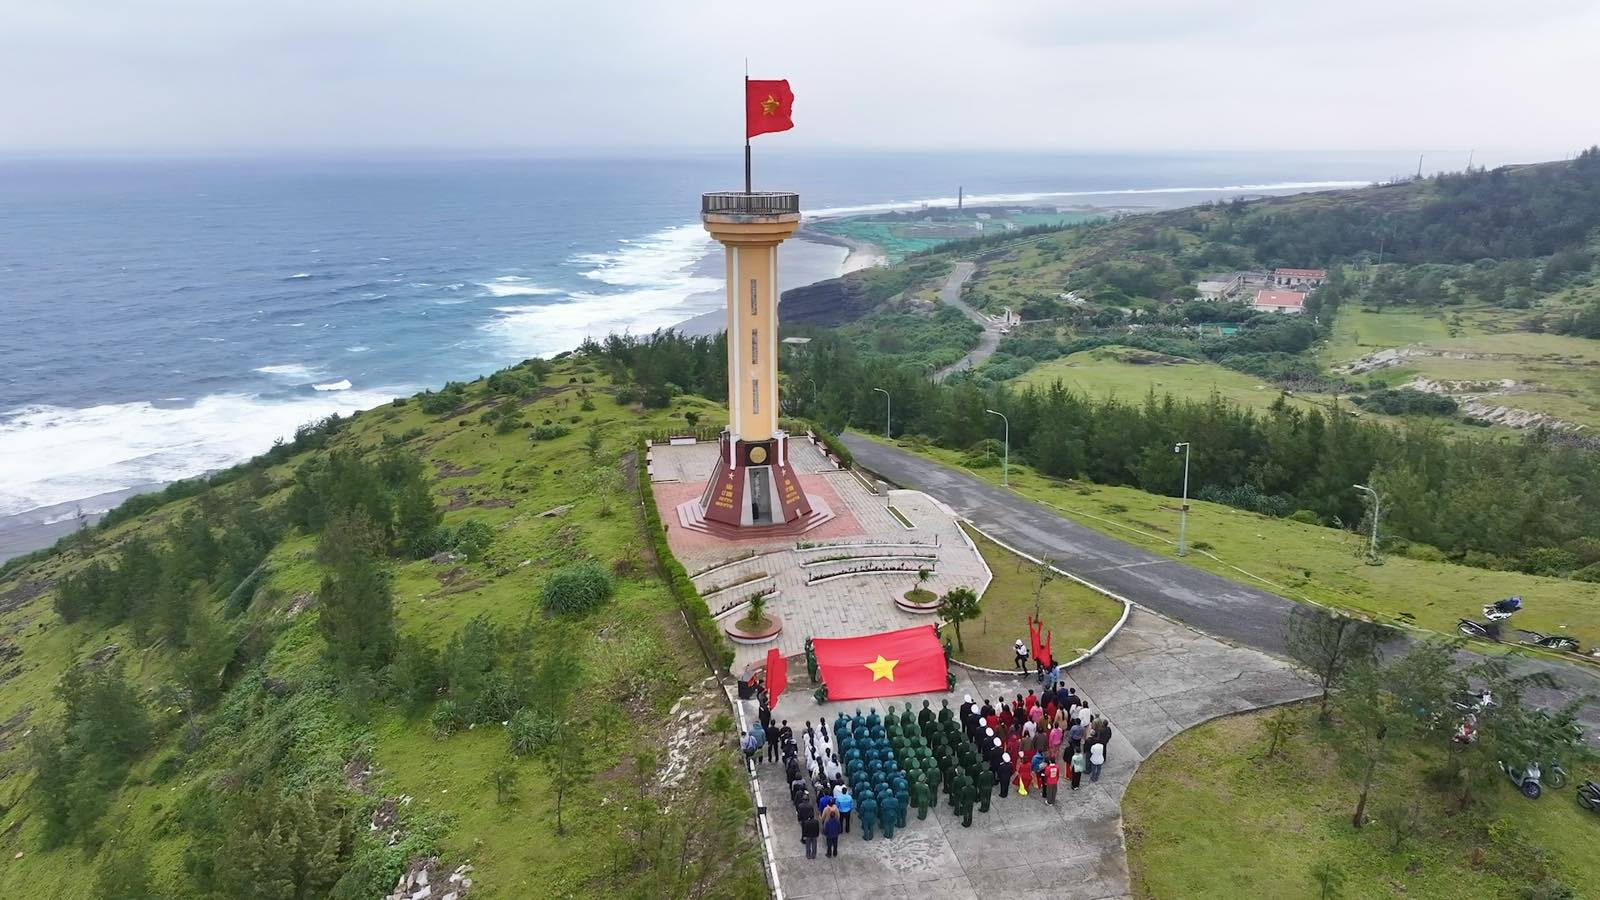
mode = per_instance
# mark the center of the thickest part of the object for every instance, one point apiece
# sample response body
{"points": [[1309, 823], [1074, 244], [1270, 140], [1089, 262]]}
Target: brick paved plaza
{"points": [[863, 529]]}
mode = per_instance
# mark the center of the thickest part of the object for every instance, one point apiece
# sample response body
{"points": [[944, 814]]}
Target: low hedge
{"points": [[718, 653]]}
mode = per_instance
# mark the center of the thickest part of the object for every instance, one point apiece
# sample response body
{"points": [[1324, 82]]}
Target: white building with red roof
{"points": [[1299, 278], [1291, 302]]}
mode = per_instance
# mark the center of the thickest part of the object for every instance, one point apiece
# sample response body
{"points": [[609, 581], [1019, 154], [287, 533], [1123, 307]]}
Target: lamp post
{"points": [[1183, 511], [813, 394], [1005, 461], [1377, 509], [888, 412]]}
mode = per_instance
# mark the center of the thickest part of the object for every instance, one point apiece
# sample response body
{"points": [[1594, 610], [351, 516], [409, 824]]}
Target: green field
{"points": [[1209, 815], [1306, 562], [1557, 375], [632, 657], [1077, 616]]}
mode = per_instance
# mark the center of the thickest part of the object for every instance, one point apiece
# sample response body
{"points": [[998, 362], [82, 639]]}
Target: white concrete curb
{"points": [[1127, 605], [762, 825]]}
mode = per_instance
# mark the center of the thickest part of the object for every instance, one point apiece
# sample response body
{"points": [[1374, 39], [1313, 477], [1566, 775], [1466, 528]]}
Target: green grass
{"points": [[636, 643], [1306, 562], [1208, 815], [1357, 332], [1129, 374], [1078, 617]]}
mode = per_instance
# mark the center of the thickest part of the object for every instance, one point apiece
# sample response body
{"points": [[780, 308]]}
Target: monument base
{"points": [[753, 485]]}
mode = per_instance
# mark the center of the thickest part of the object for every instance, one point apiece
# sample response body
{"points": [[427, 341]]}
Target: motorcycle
{"points": [[1502, 609], [1483, 631], [1526, 780], [1549, 641], [1589, 796]]}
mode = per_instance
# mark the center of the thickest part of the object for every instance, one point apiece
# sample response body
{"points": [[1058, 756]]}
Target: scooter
{"points": [[1526, 780], [1484, 631], [1589, 796], [1502, 609], [1549, 641]]}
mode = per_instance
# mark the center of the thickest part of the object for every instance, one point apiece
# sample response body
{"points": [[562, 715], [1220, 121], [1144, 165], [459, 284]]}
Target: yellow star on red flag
{"points": [[882, 668], [770, 105]]}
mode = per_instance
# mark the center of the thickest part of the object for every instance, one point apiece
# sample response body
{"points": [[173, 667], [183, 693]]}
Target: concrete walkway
{"points": [[1153, 680]]}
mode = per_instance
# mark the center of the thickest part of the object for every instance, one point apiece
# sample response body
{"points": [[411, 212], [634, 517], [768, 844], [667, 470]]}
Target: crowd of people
{"points": [[876, 770]]}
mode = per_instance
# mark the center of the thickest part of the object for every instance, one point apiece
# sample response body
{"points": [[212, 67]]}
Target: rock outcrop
{"points": [[832, 302]]}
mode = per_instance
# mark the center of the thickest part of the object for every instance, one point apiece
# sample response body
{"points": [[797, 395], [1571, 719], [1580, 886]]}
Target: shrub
{"points": [[529, 732], [1424, 552], [550, 432], [1305, 516], [576, 588], [446, 718]]}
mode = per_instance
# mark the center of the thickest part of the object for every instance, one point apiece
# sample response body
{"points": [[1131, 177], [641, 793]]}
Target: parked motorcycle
{"points": [[1526, 780], [1502, 609], [1589, 796], [1549, 641], [1483, 631]]}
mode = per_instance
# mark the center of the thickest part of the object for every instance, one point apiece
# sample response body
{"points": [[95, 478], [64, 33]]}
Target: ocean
{"points": [[164, 318]]}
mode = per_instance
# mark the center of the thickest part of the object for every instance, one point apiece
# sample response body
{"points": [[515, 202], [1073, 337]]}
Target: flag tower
{"points": [[753, 484]]}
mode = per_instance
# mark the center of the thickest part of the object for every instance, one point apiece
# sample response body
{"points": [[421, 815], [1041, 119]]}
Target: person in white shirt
{"points": [[1084, 715], [1019, 652], [1097, 758]]}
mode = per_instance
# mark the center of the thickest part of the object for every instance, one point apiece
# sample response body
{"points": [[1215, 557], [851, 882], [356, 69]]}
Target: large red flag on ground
{"points": [[908, 661], [1034, 645], [777, 676], [768, 106]]}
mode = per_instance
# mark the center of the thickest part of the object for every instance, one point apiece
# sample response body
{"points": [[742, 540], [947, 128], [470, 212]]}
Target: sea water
{"points": [[164, 318]]}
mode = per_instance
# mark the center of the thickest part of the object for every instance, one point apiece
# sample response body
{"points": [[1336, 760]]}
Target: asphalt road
{"points": [[1226, 609]]}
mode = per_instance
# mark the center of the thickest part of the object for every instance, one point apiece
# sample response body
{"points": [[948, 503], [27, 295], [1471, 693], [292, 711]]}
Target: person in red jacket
{"points": [[1052, 777]]}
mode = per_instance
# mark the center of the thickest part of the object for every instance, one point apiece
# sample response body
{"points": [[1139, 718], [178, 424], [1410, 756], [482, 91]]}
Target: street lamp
{"points": [[1005, 461], [1377, 508], [813, 394], [1183, 511], [888, 411]]}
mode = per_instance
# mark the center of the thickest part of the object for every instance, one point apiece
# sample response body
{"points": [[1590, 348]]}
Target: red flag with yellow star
{"points": [[908, 661], [768, 106]]}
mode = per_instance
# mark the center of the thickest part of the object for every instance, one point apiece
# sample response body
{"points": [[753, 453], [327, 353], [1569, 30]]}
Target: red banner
{"points": [[777, 676], [908, 661]]}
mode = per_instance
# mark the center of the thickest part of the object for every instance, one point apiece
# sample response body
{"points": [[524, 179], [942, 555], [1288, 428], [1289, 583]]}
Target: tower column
{"points": [[753, 483]]}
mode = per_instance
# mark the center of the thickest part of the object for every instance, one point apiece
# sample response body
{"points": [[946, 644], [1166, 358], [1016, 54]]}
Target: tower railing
{"points": [[758, 203]]}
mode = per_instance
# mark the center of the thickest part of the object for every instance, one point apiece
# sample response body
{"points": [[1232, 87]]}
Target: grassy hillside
{"points": [[612, 704], [1290, 812]]}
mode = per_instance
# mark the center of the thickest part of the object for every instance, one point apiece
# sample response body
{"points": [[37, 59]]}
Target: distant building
{"points": [[1219, 287], [1292, 302], [983, 217], [1299, 278]]}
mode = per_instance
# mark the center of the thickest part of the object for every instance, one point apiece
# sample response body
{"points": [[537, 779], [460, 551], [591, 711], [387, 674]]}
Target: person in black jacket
{"points": [[772, 738], [809, 829]]}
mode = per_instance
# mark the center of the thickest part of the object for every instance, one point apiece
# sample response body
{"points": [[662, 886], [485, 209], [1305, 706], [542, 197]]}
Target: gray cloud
{"points": [[204, 75]]}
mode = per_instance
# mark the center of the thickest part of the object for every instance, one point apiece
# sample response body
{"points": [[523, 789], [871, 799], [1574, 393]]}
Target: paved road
{"points": [[988, 342], [1249, 615]]}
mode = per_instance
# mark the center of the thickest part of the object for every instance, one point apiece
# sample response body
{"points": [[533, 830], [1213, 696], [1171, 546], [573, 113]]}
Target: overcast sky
{"points": [[520, 75]]}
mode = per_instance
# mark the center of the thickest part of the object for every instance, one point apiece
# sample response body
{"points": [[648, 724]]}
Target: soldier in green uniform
{"points": [[811, 661], [919, 795], [867, 806], [889, 813], [925, 716], [964, 807], [961, 787], [985, 786], [945, 713]]}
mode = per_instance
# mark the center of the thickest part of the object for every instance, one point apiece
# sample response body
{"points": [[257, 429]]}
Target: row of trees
{"points": [[1490, 502]]}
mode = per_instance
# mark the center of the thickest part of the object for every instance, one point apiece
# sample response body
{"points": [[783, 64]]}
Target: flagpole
{"points": [[747, 126]]}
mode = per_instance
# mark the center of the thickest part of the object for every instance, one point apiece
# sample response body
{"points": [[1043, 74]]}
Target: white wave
{"points": [[212, 340], [342, 384], [295, 325], [289, 370], [56, 454], [515, 286], [357, 349], [541, 330], [659, 260], [995, 199], [299, 275]]}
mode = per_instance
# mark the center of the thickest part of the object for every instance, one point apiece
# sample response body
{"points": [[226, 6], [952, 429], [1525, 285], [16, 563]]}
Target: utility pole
{"points": [[1183, 511], [888, 412], [1377, 509], [1419, 165], [961, 196], [1470, 154], [1005, 461]]}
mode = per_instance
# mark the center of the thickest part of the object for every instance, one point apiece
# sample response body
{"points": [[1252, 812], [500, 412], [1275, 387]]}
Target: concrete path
{"points": [[1233, 611], [1153, 680], [988, 342]]}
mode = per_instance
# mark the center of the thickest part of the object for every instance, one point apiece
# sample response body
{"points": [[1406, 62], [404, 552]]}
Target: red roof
{"points": [[1287, 299], [1301, 273]]}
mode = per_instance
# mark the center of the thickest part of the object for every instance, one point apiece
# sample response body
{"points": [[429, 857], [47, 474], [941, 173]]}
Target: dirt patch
{"points": [[22, 595], [11, 730], [1147, 358], [1394, 356], [301, 602], [448, 470], [1475, 399]]}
